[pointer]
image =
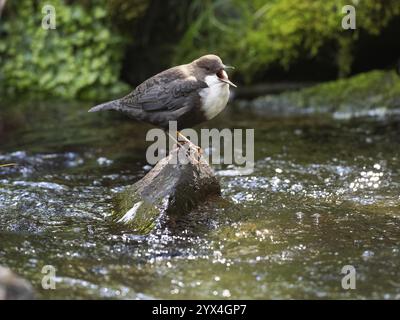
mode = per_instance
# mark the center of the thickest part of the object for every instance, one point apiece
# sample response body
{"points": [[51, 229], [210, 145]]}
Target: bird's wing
{"points": [[162, 94]]}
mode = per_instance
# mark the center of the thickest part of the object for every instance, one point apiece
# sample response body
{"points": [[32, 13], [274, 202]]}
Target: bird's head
{"points": [[211, 65]]}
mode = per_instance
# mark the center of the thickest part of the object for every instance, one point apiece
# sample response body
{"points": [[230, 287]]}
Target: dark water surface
{"points": [[324, 194]]}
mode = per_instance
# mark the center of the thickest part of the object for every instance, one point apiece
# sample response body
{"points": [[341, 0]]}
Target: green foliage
{"points": [[124, 12], [253, 35], [81, 58]]}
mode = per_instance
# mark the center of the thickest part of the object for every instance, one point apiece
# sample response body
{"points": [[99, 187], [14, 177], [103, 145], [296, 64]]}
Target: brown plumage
{"points": [[183, 93]]}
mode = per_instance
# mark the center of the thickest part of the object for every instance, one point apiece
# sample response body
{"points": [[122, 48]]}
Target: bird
{"points": [[189, 94]]}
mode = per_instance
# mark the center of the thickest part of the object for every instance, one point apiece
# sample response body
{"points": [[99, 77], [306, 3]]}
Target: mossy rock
{"points": [[358, 94], [172, 188]]}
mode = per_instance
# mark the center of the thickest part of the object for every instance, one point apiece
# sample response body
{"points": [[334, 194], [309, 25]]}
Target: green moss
{"points": [[371, 90], [145, 217], [359, 94], [375, 89]]}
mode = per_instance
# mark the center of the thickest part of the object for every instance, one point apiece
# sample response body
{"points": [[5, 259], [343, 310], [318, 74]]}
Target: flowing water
{"points": [[324, 194]]}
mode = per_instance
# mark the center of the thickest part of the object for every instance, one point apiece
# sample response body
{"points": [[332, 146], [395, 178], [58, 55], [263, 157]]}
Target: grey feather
{"points": [[169, 90], [111, 105]]}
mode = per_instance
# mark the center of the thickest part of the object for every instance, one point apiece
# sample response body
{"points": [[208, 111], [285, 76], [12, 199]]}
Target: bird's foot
{"points": [[196, 150]]}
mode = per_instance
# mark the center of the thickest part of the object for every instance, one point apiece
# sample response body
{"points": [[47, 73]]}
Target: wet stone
{"points": [[176, 185], [13, 287]]}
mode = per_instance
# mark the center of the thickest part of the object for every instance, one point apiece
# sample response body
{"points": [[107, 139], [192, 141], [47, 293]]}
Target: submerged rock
{"points": [[176, 185], [13, 287]]}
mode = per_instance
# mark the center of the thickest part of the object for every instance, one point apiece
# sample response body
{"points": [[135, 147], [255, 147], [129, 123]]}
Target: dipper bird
{"points": [[188, 94]]}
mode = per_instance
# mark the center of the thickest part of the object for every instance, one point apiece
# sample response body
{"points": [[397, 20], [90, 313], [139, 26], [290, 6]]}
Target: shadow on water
{"points": [[324, 194]]}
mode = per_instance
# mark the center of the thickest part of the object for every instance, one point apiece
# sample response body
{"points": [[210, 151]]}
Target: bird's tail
{"points": [[111, 105]]}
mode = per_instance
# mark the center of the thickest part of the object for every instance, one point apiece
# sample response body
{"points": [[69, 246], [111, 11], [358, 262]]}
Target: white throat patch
{"points": [[215, 97]]}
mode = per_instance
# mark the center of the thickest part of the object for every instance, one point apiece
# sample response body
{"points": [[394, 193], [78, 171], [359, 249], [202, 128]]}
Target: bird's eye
{"points": [[220, 74]]}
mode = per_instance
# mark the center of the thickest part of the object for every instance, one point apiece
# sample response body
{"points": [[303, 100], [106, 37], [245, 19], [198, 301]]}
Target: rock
{"points": [[13, 287], [364, 94], [262, 89], [176, 185]]}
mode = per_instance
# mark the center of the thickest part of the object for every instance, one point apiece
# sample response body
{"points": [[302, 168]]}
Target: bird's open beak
{"points": [[229, 82], [224, 76]]}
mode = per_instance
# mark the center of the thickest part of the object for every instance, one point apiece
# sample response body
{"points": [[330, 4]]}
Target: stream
{"points": [[324, 194]]}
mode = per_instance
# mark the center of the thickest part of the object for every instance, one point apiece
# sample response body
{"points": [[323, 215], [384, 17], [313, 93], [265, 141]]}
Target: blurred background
{"points": [[103, 48]]}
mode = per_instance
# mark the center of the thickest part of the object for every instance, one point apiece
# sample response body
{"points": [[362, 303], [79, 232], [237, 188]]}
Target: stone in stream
{"points": [[175, 186], [374, 92], [13, 287]]}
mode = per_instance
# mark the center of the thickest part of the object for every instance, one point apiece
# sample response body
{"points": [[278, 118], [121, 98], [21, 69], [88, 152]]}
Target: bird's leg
{"points": [[196, 149], [175, 139], [179, 144], [191, 144]]}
